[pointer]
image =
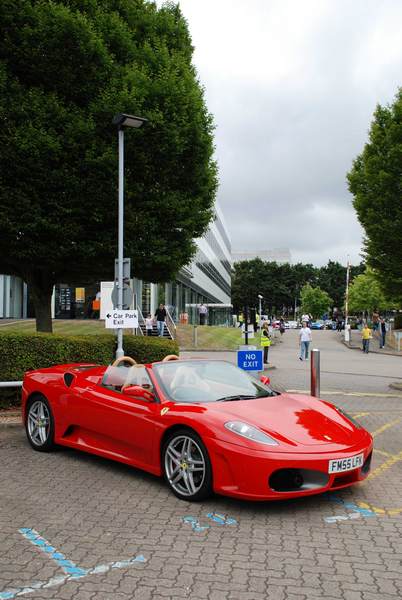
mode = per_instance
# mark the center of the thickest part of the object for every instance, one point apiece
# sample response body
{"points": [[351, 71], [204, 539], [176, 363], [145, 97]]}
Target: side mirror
{"points": [[138, 392], [265, 380]]}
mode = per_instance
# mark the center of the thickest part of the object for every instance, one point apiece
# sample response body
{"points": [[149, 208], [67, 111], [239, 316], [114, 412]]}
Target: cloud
{"points": [[292, 86]]}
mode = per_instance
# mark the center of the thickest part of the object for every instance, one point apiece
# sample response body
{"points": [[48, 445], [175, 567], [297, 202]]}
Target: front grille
{"points": [[294, 480]]}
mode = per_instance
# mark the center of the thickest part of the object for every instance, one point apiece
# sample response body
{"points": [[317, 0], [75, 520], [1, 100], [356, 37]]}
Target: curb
{"points": [[205, 350], [371, 351]]}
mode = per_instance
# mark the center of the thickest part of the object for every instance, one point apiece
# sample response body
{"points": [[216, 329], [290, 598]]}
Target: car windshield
{"points": [[207, 381]]}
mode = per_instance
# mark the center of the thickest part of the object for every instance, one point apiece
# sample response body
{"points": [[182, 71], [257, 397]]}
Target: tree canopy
{"points": [[314, 301], [280, 285], [66, 67], [366, 295], [375, 181]]}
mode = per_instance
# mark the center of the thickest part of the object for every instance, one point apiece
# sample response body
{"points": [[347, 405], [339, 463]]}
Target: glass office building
{"points": [[13, 297], [206, 280]]}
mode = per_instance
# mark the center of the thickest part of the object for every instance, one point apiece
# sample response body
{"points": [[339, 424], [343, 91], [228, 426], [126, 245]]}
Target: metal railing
{"points": [[141, 320], [8, 384], [171, 325]]}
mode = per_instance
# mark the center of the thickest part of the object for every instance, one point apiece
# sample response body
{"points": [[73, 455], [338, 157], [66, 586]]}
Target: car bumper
{"points": [[254, 475]]}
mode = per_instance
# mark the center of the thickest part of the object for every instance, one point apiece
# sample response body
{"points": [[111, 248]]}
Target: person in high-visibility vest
{"points": [[265, 341]]}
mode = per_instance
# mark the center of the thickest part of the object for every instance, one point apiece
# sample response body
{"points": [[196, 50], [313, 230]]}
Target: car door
{"points": [[121, 425]]}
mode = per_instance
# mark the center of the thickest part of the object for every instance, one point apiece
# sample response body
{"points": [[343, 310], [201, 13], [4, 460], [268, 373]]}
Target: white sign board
{"points": [[121, 319], [250, 331], [106, 305]]}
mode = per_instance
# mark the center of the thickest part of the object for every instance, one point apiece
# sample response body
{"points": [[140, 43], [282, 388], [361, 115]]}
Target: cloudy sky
{"points": [[292, 85]]}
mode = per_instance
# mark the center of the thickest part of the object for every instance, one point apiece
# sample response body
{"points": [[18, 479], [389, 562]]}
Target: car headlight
{"points": [[251, 433]]}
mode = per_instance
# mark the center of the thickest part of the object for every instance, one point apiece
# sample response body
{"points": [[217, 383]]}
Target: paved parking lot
{"points": [[78, 526]]}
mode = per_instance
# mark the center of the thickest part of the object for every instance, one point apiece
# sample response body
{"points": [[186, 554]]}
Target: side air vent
{"points": [[68, 379]]}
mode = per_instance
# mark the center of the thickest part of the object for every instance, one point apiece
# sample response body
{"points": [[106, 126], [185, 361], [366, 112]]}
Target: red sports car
{"points": [[204, 425]]}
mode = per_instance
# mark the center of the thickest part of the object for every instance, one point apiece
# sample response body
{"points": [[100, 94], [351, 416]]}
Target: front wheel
{"points": [[39, 424], [186, 465]]}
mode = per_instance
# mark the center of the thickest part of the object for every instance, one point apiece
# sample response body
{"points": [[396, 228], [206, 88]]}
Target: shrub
{"points": [[21, 352]]}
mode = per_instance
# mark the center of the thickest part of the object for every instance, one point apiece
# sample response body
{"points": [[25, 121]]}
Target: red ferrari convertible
{"points": [[204, 425]]}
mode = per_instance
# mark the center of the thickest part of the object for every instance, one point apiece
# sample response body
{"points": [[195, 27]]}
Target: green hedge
{"points": [[20, 352]]}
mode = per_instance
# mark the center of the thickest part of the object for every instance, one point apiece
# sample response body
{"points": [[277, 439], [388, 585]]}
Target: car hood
{"points": [[293, 419]]}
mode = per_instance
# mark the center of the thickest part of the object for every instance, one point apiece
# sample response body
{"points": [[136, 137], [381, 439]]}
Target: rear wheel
{"points": [[186, 466], [39, 424]]}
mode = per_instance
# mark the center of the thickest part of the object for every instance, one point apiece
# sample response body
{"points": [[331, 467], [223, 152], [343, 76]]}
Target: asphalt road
{"points": [[124, 536]]}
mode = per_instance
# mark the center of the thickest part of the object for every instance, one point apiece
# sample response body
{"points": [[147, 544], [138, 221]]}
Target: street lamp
{"points": [[122, 120], [259, 300]]}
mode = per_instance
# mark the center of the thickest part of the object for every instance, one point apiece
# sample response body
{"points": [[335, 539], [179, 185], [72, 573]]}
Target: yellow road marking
{"points": [[386, 426], [392, 460], [380, 511], [382, 452], [361, 415]]}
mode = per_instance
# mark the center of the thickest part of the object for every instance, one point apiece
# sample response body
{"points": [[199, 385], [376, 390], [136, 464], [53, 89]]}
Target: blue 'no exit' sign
{"points": [[250, 360]]}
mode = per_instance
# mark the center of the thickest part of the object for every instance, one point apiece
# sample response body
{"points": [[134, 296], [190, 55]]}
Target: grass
{"points": [[209, 338], [68, 327]]}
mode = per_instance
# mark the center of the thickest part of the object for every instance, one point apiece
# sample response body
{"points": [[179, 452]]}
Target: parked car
{"points": [[319, 324], [204, 425]]}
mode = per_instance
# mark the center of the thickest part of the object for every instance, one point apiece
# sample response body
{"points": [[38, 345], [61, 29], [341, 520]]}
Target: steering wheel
{"points": [[124, 359], [170, 357]]}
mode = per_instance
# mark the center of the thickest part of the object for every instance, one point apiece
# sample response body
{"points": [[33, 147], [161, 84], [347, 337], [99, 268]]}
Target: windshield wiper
{"points": [[238, 397]]}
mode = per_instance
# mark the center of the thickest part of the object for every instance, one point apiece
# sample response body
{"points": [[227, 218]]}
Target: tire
{"points": [[40, 436], [186, 466]]}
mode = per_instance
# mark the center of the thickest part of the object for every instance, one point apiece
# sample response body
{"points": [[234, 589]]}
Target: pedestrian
{"points": [[305, 339], [160, 315], [203, 312], [265, 341], [376, 320], [366, 337], [383, 332], [281, 326], [149, 324]]}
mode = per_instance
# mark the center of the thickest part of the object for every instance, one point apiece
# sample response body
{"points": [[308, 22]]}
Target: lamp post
{"points": [[347, 332], [259, 308], [122, 120]]}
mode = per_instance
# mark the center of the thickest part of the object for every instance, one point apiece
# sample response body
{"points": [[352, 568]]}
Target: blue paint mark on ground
{"points": [[221, 519], [195, 524], [357, 511], [72, 572], [66, 565]]}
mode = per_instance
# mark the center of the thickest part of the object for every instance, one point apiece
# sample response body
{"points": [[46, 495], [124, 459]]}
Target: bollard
{"points": [[315, 373], [195, 336]]}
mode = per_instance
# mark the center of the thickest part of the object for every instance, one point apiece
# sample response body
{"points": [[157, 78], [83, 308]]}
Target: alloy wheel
{"points": [[185, 465], [38, 423]]}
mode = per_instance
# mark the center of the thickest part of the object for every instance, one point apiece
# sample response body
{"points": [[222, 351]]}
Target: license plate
{"points": [[340, 465]]}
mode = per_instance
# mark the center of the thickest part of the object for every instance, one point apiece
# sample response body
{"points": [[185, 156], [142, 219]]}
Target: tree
{"points": [[66, 67], [314, 300], [332, 279], [366, 295], [375, 181]]}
